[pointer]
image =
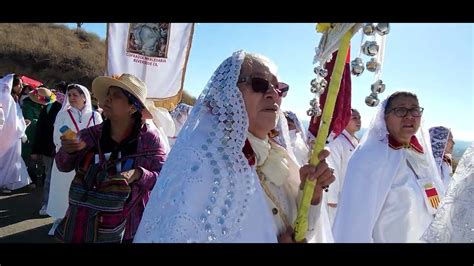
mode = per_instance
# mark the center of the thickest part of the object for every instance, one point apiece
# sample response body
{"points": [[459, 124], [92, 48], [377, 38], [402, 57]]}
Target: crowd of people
{"points": [[231, 168]]}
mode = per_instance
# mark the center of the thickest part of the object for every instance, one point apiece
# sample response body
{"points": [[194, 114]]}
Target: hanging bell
{"points": [[314, 102], [323, 73], [323, 83], [382, 29], [317, 89], [370, 48], [378, 87], [317, 69], [314, 82], [372, 100], [357, 66], [372, 65], [310, 112], [320, 71], [318, 111], [369, 29]]}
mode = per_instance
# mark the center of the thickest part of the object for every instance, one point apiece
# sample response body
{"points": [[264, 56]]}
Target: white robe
{"points": [[13, 174], [58, 201], [341, 149], [454, 221], [381, 201]]}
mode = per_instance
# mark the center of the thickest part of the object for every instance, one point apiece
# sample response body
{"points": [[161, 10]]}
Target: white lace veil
{"points": [[14, 126], [206, 191], [439, 139], [454, 221], [88, 105]]}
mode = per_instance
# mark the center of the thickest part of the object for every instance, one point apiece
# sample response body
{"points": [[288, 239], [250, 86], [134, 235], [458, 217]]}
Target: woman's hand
{"points": [[71, 145], [286, 237], [322, 173], [132, 175]]}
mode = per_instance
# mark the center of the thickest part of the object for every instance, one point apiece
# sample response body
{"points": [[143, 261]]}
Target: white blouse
{"points": [[82, 118]]}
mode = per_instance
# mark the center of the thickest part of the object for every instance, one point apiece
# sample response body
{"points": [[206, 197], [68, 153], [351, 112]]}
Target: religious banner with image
{"points": [[157, 53]]}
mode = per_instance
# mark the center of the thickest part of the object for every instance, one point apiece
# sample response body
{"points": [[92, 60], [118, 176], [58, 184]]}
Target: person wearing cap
{"points": [[31, 111], [43, 149], [124, 141]]}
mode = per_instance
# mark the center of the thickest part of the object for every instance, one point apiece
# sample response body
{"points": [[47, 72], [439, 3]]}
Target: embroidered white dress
{"points": [[58, 200], [341, 149]]}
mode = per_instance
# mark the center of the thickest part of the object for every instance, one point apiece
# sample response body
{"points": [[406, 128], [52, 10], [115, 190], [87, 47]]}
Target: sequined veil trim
{"points": [[208, 158]]}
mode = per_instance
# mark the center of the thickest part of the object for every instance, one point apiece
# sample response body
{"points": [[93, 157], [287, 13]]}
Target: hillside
{"points": [[51, 52]]}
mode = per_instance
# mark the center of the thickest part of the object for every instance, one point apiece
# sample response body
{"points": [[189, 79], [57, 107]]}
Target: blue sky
{"points": [[435, 61]]}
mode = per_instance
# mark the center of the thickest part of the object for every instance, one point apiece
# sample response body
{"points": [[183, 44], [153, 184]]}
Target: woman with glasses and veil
{"points": [[392, 188], [226, 180]]}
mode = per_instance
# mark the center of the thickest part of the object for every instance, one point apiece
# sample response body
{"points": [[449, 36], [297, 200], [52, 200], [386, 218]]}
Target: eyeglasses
{"points": [[262, 85], [403, 111]]}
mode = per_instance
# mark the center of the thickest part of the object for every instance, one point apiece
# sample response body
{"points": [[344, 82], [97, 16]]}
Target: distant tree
{"points": [[78, 26]]}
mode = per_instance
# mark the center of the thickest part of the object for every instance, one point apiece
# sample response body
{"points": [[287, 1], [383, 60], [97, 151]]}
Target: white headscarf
{"points": [[297, 122], [207, 192], [373, 166], [454, 221], [180, 114], [14, 126], [439, 139], [88, 105]]}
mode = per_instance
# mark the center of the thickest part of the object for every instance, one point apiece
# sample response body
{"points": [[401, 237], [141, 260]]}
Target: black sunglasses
{"points": [[262, 85]]}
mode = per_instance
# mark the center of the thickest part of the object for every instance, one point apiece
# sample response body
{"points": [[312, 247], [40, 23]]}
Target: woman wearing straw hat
{"points": [[76, 113], [117, 164]]}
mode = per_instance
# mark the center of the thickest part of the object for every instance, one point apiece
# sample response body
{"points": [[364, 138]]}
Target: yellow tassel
{"points": [[323, 27]]}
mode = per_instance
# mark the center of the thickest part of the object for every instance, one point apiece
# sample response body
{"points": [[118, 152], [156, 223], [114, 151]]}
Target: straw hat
{"points": [[42, 96], [127, 82]]}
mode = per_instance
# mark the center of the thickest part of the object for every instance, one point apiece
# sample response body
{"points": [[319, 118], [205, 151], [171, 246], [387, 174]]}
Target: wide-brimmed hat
{"points": [[127, 82], [42, 96]]}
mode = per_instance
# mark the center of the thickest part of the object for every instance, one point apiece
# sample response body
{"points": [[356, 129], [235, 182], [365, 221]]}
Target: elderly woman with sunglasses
{"points": [[392, 188], [237, 184]]}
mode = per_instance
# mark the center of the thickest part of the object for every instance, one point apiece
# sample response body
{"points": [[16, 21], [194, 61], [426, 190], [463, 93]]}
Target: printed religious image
{"points": [[149, 39]]}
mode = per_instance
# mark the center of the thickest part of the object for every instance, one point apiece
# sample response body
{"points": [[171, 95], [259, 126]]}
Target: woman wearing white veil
{"points": [[209, 189], [442, 146], [13, 173], [392, 188], [180, 114], [77, 114], [298, 138], [454, 221]]}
